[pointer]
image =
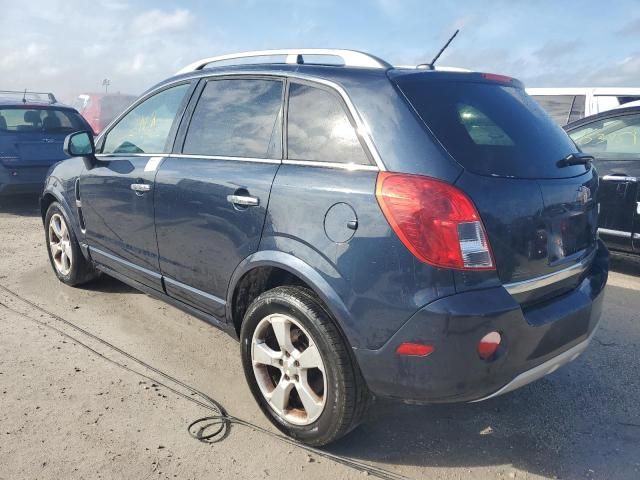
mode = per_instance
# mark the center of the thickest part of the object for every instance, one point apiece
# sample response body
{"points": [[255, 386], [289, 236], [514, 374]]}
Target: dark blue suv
{"points": [[364, 230], [33, 127]]}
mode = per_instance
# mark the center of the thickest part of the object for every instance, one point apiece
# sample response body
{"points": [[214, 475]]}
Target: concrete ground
{"points": [[91, 404]]}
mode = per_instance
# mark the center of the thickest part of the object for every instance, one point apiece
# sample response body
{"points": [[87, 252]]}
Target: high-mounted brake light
{"points": [[436, 221], [494, 77]]}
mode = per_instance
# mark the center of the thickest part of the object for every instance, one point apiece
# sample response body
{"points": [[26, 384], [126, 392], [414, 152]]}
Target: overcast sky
{"points": [[70, 46]]}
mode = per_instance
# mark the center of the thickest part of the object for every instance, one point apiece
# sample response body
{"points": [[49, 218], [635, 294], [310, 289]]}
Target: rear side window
{"points": [[491, 129], [615, 138], [237, 118], [557, 106], [319, 129], [47, 120], [146, 128]]}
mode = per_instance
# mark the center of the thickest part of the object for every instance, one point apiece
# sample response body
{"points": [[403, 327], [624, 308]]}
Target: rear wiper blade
{"points": [[575, 159]]}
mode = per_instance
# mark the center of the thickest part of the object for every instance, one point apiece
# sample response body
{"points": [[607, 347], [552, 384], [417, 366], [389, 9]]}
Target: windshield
{"points": [[45, 120], [490, 128]]}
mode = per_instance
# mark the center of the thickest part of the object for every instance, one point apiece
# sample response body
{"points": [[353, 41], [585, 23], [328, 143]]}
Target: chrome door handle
{"points": [[620, 178], [140, 187], [243, 200]]}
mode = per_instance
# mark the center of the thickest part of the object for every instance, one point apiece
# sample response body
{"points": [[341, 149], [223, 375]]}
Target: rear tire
{"points": [[299, 368], [67, 260]]}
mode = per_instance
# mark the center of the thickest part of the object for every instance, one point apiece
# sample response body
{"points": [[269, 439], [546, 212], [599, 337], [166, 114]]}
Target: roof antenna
{"points": [[431, 65], [24, 96]]}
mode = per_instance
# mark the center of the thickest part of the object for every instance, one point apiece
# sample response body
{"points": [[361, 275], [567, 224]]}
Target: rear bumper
{"points": [[22, 180], [535, 341]]}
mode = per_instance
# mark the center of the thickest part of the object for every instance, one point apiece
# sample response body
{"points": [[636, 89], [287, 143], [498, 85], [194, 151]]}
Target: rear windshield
{"points": [[490, 128], [46, 120]]}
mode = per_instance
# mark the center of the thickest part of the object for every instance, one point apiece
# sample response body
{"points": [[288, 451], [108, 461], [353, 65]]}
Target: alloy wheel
{"points": [[289, 369], [60, 244]]}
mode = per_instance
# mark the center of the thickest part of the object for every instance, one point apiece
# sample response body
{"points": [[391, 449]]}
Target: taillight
{"points": [[436, 221]]}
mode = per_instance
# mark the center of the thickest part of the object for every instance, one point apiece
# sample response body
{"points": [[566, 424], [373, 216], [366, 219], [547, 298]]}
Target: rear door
{"points": [[614, 141], [212, 194], [117, 194]]}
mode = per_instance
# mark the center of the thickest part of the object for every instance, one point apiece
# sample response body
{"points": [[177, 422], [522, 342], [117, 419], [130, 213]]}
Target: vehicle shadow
{"points": [[625, 264], [106, 284], [582, 418], [20, 205]]}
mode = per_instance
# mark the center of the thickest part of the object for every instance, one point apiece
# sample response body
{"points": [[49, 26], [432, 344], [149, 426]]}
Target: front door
{"points": [[614, 141], [117, 194], [212, 194]]}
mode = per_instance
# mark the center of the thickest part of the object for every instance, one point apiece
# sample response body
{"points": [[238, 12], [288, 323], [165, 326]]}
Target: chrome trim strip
{"points": [[351, 58], [343, 166], [620, 178], [126, 263], [615, 233], [361, 126], [636, 236], [541, 370], [550, 278], [99, 155], [195, 291], [220, 157]]}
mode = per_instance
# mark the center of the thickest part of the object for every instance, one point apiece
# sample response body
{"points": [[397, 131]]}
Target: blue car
{"points": [[364, 230], [33, 127]]}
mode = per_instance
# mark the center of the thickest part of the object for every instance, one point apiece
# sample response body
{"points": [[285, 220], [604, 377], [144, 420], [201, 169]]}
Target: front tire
{"points": [[299, 369], [67, 260]]}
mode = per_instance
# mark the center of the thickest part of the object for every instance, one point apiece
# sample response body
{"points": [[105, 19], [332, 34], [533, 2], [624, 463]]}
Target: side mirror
{"points": [[80, 144]]}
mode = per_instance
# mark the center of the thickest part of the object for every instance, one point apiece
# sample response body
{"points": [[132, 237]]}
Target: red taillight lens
{"points": [[488, 345], [408, 349], [436, 221]]}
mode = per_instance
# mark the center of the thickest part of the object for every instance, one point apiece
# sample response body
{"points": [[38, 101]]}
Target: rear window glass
{"points": [[491, 129], [47, 120], [557, 106]]}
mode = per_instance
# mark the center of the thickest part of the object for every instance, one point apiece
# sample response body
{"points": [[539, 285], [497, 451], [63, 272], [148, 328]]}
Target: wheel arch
{"points": [[268, 269]]}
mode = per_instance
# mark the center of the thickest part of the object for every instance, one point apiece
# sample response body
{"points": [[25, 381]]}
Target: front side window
{"points": [[146, 128], [319, 129], [43, 120], [237, 118], [615, 138]]}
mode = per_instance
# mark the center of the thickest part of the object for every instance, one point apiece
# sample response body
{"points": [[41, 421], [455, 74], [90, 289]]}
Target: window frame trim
{"points": [[173, 131]]}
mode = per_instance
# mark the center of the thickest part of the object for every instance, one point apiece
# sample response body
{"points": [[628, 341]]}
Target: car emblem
{"points": [[584, 195], [48, 140]]}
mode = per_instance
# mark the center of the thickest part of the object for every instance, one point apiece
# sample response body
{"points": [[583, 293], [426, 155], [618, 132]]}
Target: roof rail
{"points": [[351, 58], [24, 93]]}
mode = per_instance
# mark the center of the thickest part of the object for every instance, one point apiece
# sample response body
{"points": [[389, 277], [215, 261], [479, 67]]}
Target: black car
{"points": [[363, 229], [613, 138]]}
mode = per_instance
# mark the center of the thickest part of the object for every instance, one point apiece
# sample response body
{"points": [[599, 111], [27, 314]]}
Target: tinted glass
{"points": [[145, 129], [491, 129], [40, 120], [610, 139], [112, 106], [237, 118], [577, 109], [319, 129], [557, 106]]}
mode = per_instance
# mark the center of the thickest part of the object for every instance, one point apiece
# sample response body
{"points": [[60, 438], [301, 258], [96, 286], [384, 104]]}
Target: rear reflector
{"points": [[414, 349], [436, 221], [488, 345]]}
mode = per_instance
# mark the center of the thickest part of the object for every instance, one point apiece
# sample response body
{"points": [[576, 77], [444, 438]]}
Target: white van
{"points": [[566, 105]]}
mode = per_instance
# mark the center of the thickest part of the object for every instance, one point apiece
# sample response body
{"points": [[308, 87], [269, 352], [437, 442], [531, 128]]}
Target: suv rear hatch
{"points": [[33, 136], [539, 212]]}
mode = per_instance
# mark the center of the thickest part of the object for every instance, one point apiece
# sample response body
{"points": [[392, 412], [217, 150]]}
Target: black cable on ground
{"points": [[210, 429]]}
